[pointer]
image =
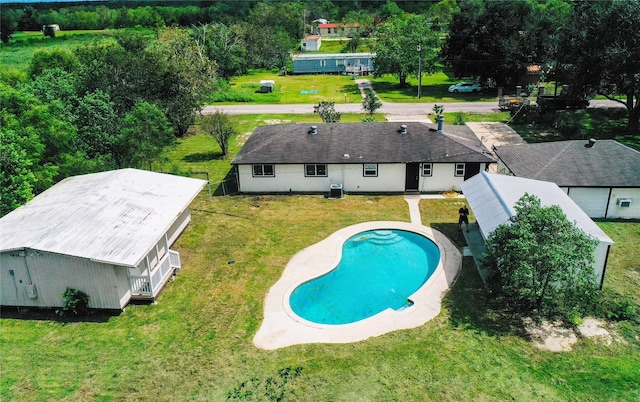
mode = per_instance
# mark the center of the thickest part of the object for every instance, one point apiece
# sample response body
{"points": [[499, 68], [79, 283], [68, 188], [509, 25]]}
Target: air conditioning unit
{"points": [[336, 191], [623, 202]]}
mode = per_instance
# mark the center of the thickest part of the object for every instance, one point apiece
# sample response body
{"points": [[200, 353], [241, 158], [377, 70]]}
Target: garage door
{"points": [[593, 201]]}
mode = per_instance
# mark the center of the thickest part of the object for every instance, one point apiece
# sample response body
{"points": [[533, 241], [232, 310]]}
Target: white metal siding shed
{"points": [[113, 217], [492, 198]]}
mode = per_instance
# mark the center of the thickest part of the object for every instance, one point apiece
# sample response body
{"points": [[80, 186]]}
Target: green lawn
{"points": [[331, 88], [434, 89], [339, 45], [195, 343], [19, 51]]}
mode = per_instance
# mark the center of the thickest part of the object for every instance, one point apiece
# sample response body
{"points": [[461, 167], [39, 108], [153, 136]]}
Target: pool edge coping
{"points": [[279, 329]]}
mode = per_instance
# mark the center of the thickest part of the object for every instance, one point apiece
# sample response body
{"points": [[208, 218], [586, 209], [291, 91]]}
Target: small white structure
{"points": [[492, 198], [106, 234], [311, 43], [267, 86]]}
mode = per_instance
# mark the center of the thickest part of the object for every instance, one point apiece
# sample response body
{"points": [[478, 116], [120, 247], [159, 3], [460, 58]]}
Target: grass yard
{"points": [[331, 88], [18, 53], [339, 45], [434, 89], [195, 343]]}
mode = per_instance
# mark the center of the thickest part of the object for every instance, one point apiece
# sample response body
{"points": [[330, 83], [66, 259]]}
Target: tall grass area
{"points": [[195, 343]]}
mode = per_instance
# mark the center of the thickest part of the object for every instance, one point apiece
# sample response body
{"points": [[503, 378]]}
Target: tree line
{"points": [[104, 106], [154, 14]]}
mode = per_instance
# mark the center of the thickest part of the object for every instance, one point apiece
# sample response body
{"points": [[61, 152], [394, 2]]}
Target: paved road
{"points": [[387, 108]]}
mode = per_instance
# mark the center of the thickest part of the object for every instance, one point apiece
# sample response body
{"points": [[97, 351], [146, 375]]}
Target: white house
{"points": [[602, 177], [492, 198], [360, 157], [107, 234], [311, 43]]}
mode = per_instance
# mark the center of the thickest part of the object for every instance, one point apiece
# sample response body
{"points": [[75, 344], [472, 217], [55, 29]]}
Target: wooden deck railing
{"points": [[149, 285]]}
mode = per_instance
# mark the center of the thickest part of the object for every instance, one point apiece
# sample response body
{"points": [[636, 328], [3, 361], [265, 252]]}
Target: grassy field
{"points": [[195, 343], [18, 53], [434, 89], [332, 88], [339, 45]]}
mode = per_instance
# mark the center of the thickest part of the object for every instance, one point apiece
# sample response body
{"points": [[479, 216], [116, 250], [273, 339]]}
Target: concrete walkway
{"points": [[494, 134]]}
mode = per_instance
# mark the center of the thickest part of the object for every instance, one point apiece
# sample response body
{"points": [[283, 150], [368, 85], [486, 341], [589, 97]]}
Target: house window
{"points": [[263, 171], [427, 169], [459, 169], [315, 170], [370, 170]]}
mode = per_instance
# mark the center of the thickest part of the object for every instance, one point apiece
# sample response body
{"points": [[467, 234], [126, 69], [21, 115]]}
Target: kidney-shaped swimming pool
{"points": [[379, 269]]}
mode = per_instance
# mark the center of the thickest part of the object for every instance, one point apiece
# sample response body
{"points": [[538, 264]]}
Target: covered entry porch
{"points": [[150, 282]]}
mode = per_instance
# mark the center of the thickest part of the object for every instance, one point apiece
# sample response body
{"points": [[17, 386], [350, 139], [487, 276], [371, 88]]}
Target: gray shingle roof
{"points": [[363, 142], [607, 163]]}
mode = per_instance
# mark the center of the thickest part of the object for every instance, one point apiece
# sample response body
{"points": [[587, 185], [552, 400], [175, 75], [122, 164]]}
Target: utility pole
{"points": [[420, 69]]}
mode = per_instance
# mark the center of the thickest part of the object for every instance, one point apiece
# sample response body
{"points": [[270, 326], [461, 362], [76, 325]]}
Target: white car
{"points": [[464, 87]]}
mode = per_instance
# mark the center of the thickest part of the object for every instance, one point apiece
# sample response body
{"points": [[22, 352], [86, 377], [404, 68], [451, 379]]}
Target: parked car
{"points": [[464, 87]]}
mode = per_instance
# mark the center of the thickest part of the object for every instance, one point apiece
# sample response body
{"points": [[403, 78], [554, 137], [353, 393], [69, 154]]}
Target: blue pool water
{"points": [[379, 269]]}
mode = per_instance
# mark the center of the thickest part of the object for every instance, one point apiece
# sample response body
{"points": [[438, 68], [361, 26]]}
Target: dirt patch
{"points": [[599, 331], [276, 121], [558, 338], [550, 336]]}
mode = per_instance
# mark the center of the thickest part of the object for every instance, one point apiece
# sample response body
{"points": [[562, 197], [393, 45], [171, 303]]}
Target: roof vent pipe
{"points": [[591, 143], [440, 120], [403, 129], [314, 130]]}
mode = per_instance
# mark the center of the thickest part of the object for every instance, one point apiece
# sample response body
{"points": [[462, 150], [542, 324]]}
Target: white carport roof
{"points": [[492, 198], [114, 217]]}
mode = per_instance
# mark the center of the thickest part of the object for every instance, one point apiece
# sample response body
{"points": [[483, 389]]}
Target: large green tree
{"points": [[225, 46], [600, 53], [98, 125], [543, 259], [9, 18], [47, 59], [497, 40], [184, 74], [173, 73], [399, 44], [271, 31], [17, 180], [218, 126], [144, 136]]}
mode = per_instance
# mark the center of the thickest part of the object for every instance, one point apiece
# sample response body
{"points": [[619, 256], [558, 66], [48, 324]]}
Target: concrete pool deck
{"points": [[281, 327]]}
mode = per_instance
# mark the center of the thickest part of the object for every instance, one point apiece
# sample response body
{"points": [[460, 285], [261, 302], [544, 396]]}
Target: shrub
{"points": [[616, 308], [75, 301], [459, 119]]}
